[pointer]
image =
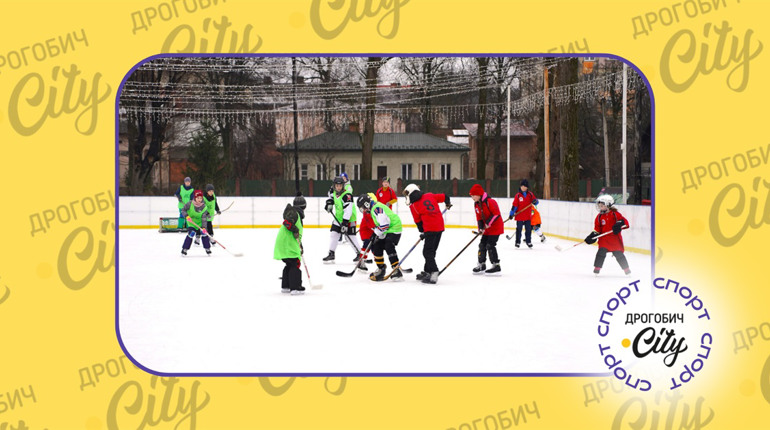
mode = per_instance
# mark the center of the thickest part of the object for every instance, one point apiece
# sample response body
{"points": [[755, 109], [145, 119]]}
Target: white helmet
{"points": [[606, 200], [409, 190]]}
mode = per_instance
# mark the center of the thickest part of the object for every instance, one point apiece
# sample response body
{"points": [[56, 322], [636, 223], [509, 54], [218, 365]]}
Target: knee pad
{"points": [[191, 234], [490, 246]]}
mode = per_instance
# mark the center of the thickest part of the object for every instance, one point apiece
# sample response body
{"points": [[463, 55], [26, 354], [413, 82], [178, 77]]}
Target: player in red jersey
{"points": [[521, 200], [385, 194], [491, 226], [430, 222], [609, 219]]}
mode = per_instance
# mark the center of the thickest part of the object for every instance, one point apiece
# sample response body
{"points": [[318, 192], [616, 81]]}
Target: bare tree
{"points": [[569, 146], [143, 154], [424, 74]]}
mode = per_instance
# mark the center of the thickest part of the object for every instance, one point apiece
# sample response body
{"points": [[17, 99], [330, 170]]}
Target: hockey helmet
{"points": [[364, 202], [344, 176], [606, 200], [408, 191], [299, 202], [338, 180]]}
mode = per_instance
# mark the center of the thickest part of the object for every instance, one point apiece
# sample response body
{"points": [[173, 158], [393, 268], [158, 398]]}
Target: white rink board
{"points": [[569, 219]]}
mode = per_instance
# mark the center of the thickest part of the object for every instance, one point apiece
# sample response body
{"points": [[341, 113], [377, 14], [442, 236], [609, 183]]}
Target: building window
{"points": [[303, 171], [339, 169], [320, 172], [406, 172], [446, 171], [356, 172], [426, 171]]}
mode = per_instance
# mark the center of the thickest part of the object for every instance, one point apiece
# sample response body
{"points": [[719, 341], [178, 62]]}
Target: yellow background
{"points": [[49, 332]]}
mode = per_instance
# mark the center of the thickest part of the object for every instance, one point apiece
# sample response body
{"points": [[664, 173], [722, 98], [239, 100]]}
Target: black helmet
{"points": [[209, 187], [364, 202], [299, 202], [338, 180]]}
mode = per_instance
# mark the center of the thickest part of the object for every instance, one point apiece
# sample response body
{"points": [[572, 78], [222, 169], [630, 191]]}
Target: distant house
{"points": [[409, 156], [523, 151]]}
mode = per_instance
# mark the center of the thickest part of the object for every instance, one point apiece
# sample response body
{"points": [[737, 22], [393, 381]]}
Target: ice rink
{"points": [[223, 314]]}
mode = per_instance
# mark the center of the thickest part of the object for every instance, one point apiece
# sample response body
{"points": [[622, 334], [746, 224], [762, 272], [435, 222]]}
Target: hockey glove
{"points": [[379, 233], [618, 226], [188, 219], [329, 206], [219, 213], [344, 226], [591, 238], [448, 206], [511, 214], [422, 236], [203, 230]]}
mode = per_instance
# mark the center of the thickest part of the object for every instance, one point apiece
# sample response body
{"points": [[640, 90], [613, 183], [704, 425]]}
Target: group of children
{"points": [[196, 213], [381, 228]]}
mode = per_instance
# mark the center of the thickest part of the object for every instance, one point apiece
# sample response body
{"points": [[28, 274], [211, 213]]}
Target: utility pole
{"points": [[296, 126], [508, 142], [547, 182]]}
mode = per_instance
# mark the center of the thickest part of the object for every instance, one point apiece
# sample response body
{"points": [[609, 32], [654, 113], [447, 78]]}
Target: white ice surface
{"points": [[223, 314]]}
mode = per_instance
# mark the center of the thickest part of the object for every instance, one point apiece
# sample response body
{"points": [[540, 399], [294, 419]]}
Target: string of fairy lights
{"points": [[197, 100]]}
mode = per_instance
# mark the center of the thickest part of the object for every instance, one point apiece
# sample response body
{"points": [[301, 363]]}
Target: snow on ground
{"points": [[222, 314]]}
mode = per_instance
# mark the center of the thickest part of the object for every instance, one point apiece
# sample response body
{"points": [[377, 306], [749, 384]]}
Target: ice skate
{"points": [[420, 276], [362, 266], [208, 251], [184, 252], [197, 240], [377, 275], [298, 291], [285, 290], [431, 279], [597, 270], [494, 270], [542, 238], [329, 259], [479, 269], [397, 276]]}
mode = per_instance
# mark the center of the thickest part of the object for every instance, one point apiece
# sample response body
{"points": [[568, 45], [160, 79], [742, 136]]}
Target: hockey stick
{"points": [[363, 258], [234, 254], [231, 205], [307, 272], [560, 249], [461, 251], [525, 208]]}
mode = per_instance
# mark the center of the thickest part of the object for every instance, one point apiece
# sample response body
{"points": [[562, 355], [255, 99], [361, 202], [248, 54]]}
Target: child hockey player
{"points": [[490, 226], [348, 187], [609, 219], [430, 223], [342, 207], [288, 246], [385, 194], [366, 230], [213, 208], [183, 194], [524, 219], [536, 222], [388, 231], [196, 214]]}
